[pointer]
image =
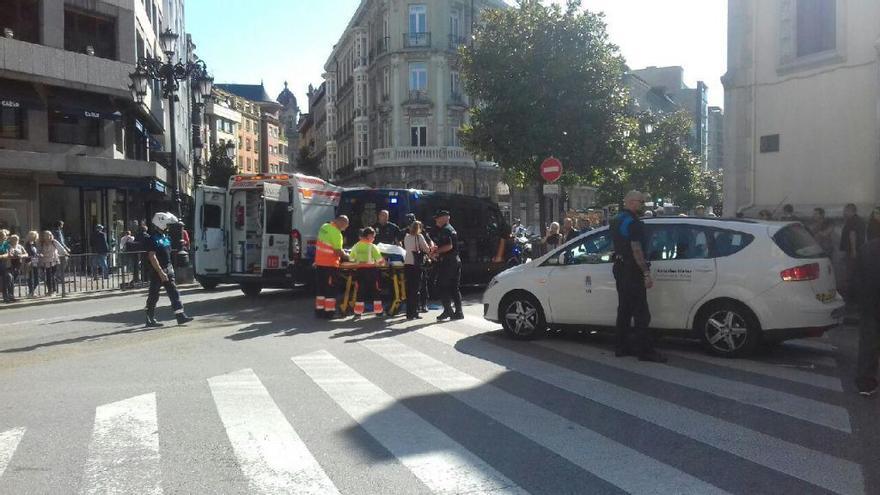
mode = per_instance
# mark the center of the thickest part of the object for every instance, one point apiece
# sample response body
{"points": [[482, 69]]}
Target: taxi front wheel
{"points": [[522, 316]]}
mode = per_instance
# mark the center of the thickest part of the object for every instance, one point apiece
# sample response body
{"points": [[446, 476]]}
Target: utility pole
{"points": [[476, 163]]}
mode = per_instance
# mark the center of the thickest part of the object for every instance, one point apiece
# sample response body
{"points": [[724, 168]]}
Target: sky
{"points": [[248, 41]]}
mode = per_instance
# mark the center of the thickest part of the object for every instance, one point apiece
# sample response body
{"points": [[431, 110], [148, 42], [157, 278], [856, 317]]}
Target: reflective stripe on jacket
{"points": [[329, 240]]}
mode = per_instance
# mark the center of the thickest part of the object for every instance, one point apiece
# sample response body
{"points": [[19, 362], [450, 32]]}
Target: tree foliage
{"points": [[655, 158], [546, 81], [219, 167], [307, 163]]}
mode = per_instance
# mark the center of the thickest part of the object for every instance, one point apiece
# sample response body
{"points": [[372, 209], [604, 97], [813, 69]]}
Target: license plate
{"points": [[827, 296]]}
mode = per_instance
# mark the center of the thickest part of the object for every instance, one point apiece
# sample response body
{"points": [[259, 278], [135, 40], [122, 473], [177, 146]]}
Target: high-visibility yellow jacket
{"points": [[329, 241]]}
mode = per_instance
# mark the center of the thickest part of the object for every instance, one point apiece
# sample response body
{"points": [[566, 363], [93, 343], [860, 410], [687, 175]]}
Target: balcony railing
{"points": [[416, 40], [456, 98], [425, 154], [456, 41], [418, 96]]}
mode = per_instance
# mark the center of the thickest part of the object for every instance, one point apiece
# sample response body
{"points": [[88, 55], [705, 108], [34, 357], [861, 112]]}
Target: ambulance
{"points": [[261, 230]]}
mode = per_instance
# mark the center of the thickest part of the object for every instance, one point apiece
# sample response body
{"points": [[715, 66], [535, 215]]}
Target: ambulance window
{"points": [[277, 218], [212, 217]]}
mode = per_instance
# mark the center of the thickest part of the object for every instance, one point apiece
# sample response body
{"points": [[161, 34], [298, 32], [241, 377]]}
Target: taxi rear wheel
{"points": [[728, 329], [522, 317]]}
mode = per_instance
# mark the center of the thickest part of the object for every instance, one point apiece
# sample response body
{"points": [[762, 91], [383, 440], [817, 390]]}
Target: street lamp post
{"points": [[169, 73]]}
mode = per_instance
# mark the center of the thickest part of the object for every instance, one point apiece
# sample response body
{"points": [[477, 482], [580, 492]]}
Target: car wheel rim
{"points": [[521, 317], [726, 331]]}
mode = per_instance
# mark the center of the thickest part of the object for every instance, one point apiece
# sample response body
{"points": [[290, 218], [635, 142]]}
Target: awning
{"points": [[144, 184], [83, 104], [18, 94]]}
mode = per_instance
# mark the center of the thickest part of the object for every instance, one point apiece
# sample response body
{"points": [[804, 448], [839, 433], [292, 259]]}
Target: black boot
{"points": [[183, 319], [151, 319]]}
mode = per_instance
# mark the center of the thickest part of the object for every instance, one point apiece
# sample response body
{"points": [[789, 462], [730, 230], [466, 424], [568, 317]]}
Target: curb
{"points": [[45, 301]]}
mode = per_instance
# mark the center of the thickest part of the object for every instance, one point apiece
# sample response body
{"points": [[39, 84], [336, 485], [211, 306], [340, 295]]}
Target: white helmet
{"points": [[163, 219]]}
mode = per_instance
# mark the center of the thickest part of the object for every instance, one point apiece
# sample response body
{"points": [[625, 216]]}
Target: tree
{"points": [[660, 164], [546, 81], [307, 163], [219, 167]]}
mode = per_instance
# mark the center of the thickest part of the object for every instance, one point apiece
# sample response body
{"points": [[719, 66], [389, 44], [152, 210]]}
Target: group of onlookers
{"points": [[35, 259]]}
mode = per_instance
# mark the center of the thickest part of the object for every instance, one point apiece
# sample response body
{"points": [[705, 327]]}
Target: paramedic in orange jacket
{"points": [[328, 253]]}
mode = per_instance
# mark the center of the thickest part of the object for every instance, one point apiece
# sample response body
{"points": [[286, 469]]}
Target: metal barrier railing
{"points": [[80, 274]]}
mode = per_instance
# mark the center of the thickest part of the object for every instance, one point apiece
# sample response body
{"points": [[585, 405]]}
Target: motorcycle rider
{"points": [[161, 271]]}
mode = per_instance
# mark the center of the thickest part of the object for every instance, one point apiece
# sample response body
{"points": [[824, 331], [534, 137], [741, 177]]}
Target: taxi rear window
{"points": [[796, 241]]}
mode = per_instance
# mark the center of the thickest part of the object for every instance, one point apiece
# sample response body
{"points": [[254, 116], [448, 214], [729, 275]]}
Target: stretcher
{"points": [[393, 273]]}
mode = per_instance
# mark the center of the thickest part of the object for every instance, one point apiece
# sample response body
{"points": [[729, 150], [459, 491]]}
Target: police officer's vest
{"points": [[325, 254]]}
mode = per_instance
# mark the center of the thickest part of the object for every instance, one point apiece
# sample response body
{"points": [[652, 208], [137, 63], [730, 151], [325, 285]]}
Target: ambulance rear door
{"points": [[276, 226], [211, 256], [315, 202]]}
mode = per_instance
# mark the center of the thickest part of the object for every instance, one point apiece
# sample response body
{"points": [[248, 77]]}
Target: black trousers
{"points": [[449, 284], [413, 275], [6, 282], [368, 285], [869, 344], [325, 289], [156, 284], [633, 315]]}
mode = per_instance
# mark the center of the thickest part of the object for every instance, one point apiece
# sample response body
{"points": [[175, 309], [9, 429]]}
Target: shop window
{"points": [[12, 120], [22, 17], [71, 129], [83, 30]]}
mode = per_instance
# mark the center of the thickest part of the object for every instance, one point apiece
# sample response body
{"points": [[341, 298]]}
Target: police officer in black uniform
{"points": [[448, 267], [160, 271], [387, 232], [632, 273]]}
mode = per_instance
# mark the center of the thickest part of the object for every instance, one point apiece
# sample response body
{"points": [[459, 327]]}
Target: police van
{"points": [[261, 230], [478, 222]]}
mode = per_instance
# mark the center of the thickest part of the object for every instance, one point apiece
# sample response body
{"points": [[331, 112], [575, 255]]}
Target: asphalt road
{"points": [[256, 396]]}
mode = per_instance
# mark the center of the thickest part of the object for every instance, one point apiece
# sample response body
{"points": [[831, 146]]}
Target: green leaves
{"points": [[307, 163], [219, 167], [547, 81]]}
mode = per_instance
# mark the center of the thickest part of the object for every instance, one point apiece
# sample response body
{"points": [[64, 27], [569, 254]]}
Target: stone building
{"points": [[312, 128], [668, 83], [394, 100], [716, 138], [74, 146], [288, 135], [802, 106], [258, 134]]}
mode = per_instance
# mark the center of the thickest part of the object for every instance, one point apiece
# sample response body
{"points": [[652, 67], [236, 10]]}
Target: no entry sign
{"points": [[551, 169]]}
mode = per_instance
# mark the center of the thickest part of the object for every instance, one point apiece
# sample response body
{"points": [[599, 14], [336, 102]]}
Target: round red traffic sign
{"points": [[551, 169]]}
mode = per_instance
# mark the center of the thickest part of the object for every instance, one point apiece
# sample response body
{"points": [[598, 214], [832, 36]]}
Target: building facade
{"points": [[312, 129], [222, 122], [668, 83], [716, 139], [394, 100], [258, 133], [802, 97], [288, 116], [73, 144]]}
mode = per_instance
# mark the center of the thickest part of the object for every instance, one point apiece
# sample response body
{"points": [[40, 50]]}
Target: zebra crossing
{"points": [[603, 427]]}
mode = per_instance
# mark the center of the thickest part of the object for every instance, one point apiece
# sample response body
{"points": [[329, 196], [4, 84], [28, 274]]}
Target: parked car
{"points": [[731, 283]]}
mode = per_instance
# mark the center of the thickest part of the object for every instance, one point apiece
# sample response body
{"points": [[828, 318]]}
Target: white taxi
{"points": [[731, 283]]}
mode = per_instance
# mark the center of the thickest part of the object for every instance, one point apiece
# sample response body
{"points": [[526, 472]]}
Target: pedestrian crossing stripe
{"points": [[442, 464], [269, 451], [814, 411], [617, 464], [818, 468], [123, 453], [9, 441], [124, 450]]}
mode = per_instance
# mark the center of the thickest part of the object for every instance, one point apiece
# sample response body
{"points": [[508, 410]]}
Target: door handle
{"points": [[704, 269]]}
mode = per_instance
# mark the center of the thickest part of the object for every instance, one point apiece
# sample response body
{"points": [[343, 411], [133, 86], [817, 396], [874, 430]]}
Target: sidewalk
{"points": [[85, 296]]}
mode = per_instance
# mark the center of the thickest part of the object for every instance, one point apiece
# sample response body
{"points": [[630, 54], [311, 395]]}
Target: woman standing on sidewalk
{"points": [[32, 269], [416, 250], [51, 252]]}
